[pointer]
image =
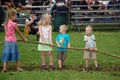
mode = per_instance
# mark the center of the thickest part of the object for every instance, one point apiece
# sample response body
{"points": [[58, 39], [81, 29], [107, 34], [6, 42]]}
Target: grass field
{"points": [[31, 60]]}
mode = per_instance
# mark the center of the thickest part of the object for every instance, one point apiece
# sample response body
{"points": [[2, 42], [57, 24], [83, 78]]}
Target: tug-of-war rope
{"points": [[99, 51]]}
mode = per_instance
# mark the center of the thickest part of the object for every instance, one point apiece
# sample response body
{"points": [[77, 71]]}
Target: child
{"points": [[45, 30], [62, 40], [90, 44], [32, 25], [10, 52]]}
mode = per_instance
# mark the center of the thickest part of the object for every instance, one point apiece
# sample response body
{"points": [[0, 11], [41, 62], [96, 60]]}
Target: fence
{"points": [[80, 16]]}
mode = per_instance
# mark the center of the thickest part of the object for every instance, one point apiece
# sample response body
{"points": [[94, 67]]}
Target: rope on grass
{"points": [[102, 52], [112, 55]]}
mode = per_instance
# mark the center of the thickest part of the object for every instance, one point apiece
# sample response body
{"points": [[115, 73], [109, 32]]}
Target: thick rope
{"points": [[2, 43], [112, 55], [102, 52]]}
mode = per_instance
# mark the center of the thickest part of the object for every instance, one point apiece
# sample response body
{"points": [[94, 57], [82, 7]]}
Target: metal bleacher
{"points": [[24, 12], [21, 19], [80, 17]]}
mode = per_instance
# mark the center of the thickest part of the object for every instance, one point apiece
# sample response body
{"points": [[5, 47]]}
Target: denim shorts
{"points": [[10, 52]]}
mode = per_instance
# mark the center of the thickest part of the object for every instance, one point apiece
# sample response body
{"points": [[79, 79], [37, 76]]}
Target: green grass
{"points": [[31, 60]]}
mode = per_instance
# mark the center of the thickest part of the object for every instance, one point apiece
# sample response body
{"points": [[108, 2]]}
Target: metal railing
{"points": [[80, 17], [26, 10]]}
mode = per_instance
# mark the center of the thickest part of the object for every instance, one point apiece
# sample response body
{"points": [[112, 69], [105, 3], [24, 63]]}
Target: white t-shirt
{"points": [[46, 32]]}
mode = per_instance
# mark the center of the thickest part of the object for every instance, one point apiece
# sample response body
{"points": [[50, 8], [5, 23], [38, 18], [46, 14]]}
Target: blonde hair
{"points": [[89, 26], [9, 15], [65, 27], [45, 19]]}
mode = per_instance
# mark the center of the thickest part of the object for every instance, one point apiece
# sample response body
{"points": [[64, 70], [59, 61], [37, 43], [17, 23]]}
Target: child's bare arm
{"points": [[51, 35], [87, 44], [69, 45], [29, 22], [20, 34], [95, 45], [58, 44]]}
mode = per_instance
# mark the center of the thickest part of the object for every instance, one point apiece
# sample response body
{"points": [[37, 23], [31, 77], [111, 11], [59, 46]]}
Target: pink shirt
{"points": [[10, 31]]}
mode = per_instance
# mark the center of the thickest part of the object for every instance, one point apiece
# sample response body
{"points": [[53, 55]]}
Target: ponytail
{"points": [[8, 16]]}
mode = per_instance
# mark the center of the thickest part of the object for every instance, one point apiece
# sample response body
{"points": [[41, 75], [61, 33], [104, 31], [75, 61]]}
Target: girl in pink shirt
{"points": [[10, 51]]}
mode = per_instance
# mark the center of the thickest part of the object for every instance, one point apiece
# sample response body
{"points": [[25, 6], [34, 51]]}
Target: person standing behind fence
{"points": [[118, 5], [62, 40], [61, 5], [45, 30], [90, 44], [112, 5], [51, 5], [10, 51]]}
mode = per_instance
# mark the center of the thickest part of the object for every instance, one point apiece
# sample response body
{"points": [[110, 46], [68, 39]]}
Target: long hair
{"points": [[45, 19], [8, 16]]}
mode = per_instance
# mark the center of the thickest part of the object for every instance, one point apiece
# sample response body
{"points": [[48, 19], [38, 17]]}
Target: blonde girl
{"points": [[45, 30]]}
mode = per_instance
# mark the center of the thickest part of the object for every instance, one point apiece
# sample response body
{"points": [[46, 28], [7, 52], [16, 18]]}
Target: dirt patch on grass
{"points": [[74, 68]]}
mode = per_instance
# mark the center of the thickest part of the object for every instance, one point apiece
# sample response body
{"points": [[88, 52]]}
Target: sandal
{"points": [[20, 70], [4, 71], [44, 67], [52, 67]]}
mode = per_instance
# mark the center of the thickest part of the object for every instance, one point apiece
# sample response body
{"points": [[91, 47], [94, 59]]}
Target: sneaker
{"points": [[87, 69], [52, 67], [20, 70], [4, 71], [97, 68], [64, 67], [60, 68], [44, 67]]}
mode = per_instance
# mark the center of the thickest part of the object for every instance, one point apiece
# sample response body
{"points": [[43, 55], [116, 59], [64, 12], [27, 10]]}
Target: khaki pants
{"points": [[90, 55]]}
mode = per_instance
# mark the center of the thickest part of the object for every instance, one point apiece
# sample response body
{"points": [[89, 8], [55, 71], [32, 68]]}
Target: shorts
{"points": [[10, 52], [44, 47], [61, 55], [90, 55]]}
